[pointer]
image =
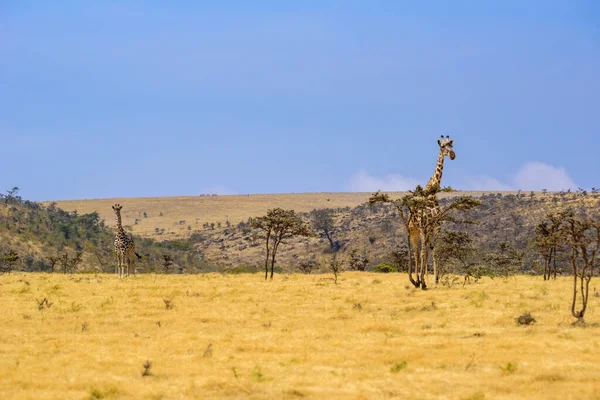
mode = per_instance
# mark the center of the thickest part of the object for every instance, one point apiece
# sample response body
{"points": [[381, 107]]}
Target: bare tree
{"points": [[336, 267], [68, 264], [53, 261], [278, 225]]}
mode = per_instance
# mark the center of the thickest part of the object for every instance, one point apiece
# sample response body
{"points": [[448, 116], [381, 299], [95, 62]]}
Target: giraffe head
{"points": [[117, 207], [446, 147]]}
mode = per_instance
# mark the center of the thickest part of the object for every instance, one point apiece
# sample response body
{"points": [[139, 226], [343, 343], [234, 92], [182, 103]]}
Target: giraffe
{"points": [[418, 220], [124, 246]]}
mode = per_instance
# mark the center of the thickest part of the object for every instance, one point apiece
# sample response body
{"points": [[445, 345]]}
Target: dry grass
{"points": [[196, 210], [370, 336]]}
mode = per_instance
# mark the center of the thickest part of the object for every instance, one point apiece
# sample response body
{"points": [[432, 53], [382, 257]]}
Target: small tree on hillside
{"points": [[398, 257], [455, 249], [322, 221], [167, 262], [547, 242], [506, 261], [583, 240], [8, 261], [277, 226], [68, 265], [357, 261]]}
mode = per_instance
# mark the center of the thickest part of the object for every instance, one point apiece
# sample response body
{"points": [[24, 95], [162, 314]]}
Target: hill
{"points": [[178, 217], [375, 233], [48, 238], [211, 233]]}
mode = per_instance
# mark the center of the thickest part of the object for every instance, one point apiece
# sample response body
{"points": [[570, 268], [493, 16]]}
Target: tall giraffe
{"points": [[124, 246], [417, 220]]}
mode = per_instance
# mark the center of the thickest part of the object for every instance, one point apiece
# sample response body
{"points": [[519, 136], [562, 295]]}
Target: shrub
{"points": [[385, 268], [525, 319], [242, 269]]}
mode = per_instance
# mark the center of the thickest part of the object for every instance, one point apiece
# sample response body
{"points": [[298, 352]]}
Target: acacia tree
{"points": [[547, 242], [322, 220], [506, 261], [456, 247], [421, 209], [582, 237], [277, 226], [8, 261], [68, 264]]}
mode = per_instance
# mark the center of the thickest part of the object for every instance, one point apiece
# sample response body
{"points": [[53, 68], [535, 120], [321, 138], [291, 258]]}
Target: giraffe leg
{"points": [[119, 263], [414, 239], [123, 261], [424, 260], [436, 233]]}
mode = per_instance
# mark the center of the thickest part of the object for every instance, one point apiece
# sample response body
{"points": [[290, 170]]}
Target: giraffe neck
{"points": [[436, 178], [119, 231]]}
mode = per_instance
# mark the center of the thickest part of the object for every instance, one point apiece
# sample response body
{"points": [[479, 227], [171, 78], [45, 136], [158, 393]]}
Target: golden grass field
{"points": [[196, 210], [299, 336]]}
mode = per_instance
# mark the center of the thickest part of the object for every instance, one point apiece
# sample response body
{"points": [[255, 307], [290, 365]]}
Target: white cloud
{"points": [[537, 176], [487, 183], [363, 182], [222, 190], [531, 176]]}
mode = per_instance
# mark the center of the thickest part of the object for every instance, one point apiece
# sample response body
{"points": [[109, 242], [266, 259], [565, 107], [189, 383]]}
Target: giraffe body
{"points": [[422, 234], [124, 247]]}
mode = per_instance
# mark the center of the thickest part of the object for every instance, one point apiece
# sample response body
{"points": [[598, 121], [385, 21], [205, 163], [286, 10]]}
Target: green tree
{"points": [[455, 249], [278, 225], [506, 261], [547, 241], [322, 221], [8, 261]]}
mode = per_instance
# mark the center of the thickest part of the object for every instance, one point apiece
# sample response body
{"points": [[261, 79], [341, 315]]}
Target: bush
{"points": [[241, 269], [525, 319], [385, 268], [358, 262], [307, 266]]}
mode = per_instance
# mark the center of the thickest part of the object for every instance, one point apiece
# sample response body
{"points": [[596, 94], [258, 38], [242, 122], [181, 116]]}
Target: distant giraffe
{"points": [[417, 220], [124, 246]]}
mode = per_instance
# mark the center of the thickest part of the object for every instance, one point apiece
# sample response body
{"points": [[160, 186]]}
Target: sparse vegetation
{"points": [[525, 319], [336, 267], [310, 325]]}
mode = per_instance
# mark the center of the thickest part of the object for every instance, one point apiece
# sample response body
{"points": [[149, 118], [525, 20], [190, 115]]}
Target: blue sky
{"points": [[127, 99]]}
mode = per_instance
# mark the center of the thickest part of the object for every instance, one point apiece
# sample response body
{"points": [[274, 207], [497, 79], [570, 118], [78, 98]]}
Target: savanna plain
{"points": [[369, 336]]}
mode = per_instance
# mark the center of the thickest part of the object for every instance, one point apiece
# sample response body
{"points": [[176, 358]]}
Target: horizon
{"points": [[477, 192], [122, 100]]}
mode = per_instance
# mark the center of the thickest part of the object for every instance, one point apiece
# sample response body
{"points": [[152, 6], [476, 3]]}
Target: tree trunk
{"points": [[277, 240], [329, 238], [554, 262], [267, 259]]}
